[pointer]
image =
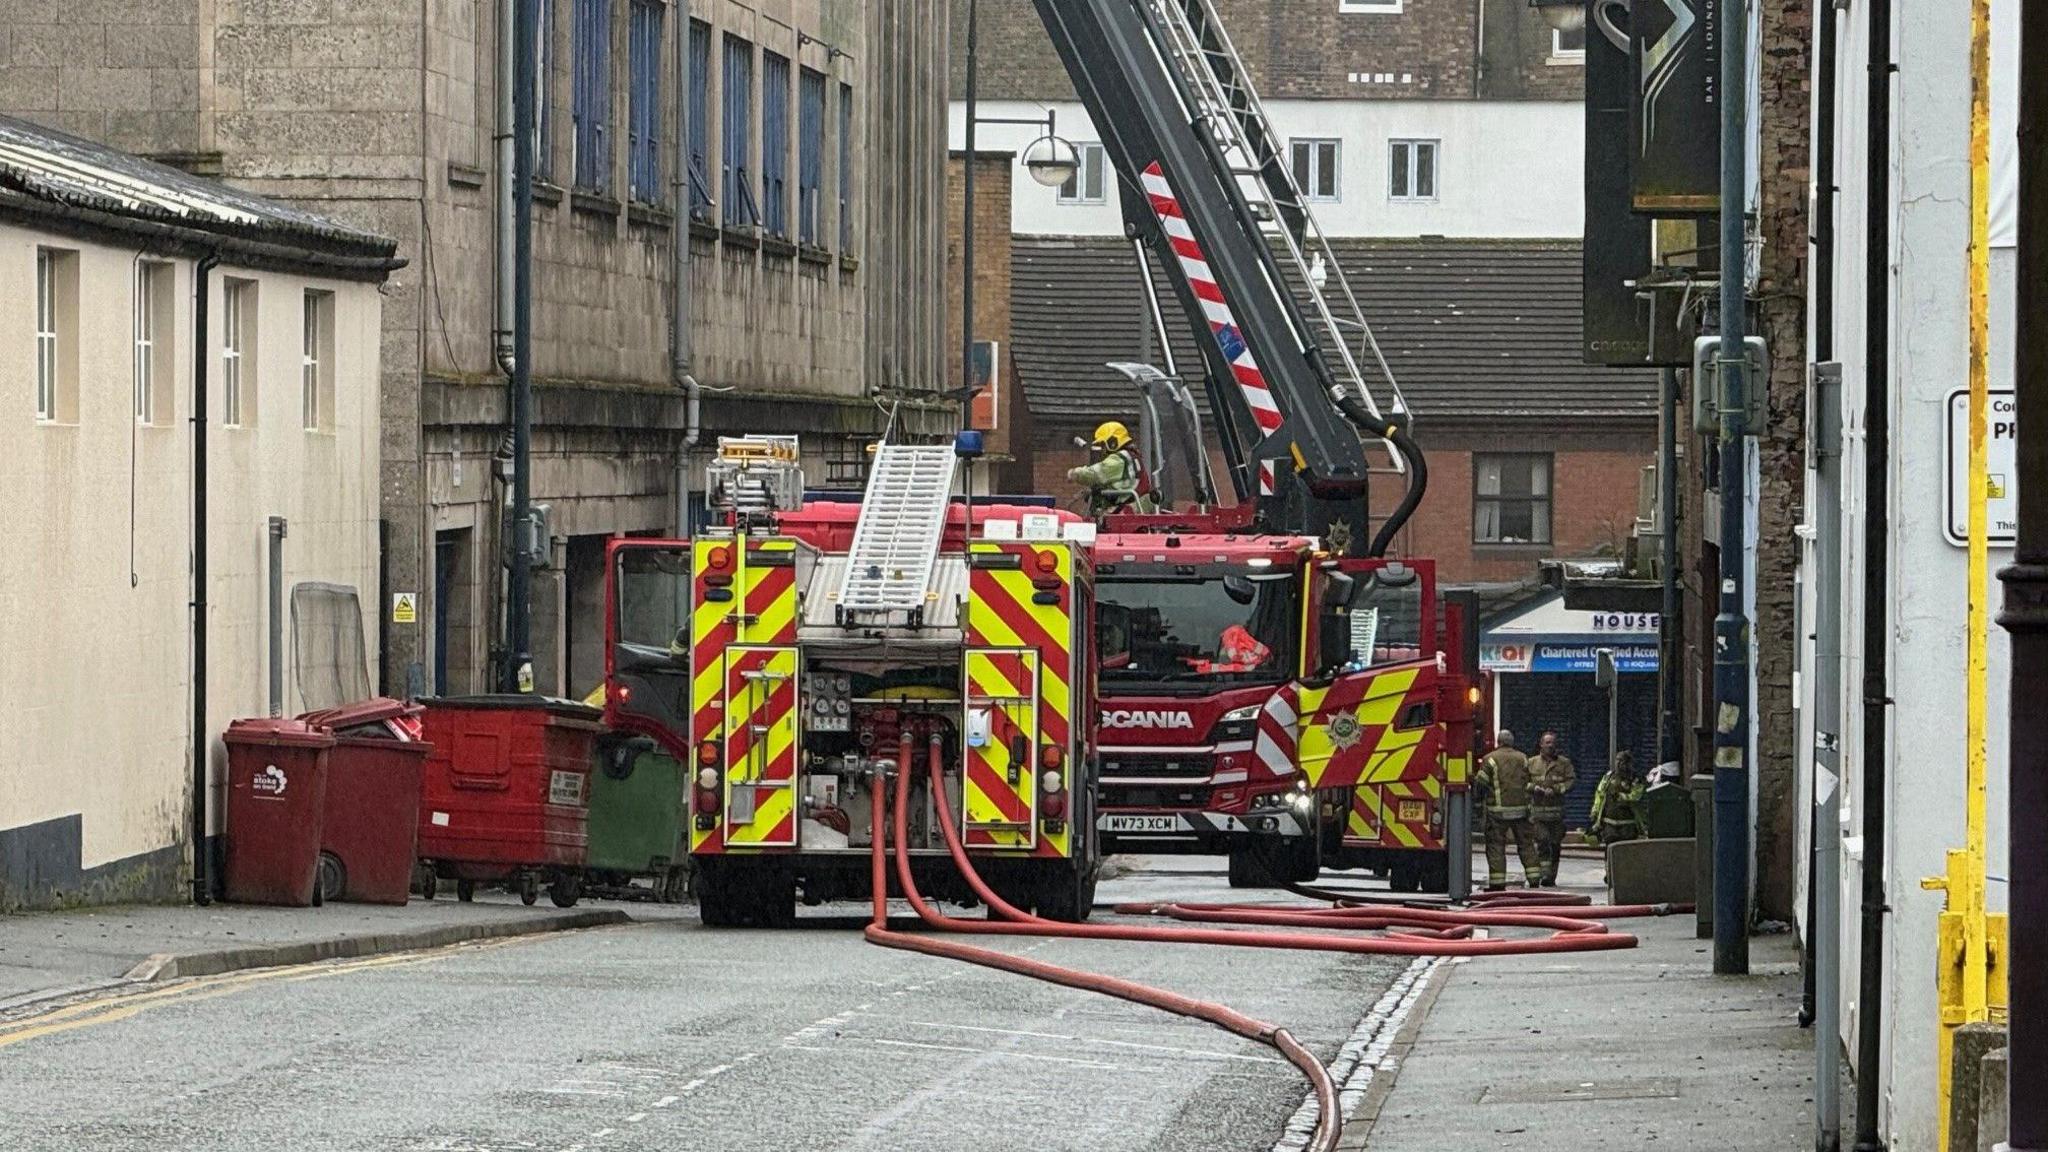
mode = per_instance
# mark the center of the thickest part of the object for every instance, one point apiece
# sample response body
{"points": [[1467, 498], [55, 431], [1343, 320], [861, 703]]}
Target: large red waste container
{"points": [[506, 790], [372, 816], [277, 782]]}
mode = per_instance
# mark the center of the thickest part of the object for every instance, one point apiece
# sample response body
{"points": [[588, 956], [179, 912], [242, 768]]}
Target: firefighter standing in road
{"points": [[1116, 482], [1551, 776], [1504, 776], [1615, 818]]}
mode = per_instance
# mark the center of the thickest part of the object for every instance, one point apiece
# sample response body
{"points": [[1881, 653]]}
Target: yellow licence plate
{"points": [[1413, 811]]}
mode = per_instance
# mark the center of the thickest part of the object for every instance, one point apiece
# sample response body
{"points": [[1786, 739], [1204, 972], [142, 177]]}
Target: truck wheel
{"points": [[1436, 877], [1405, 878], [566, 890], [774, 897], [716, 892], [1066, 891], [1247, 870], [1298, 860]]}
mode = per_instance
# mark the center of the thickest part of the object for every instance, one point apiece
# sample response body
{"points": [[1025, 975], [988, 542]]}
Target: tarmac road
{"points": [[663, 1035]]}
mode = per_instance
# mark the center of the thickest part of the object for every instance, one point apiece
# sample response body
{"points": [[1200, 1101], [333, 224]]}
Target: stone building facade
{"points": [[807, 198]]}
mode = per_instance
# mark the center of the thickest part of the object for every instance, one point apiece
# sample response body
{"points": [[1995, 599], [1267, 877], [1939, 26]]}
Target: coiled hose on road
{"points": [[1412, 932]]}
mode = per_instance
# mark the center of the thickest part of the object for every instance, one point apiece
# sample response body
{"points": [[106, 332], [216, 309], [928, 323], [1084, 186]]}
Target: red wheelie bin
{"points": [[506, 794], [370, 830], [277, 781]]}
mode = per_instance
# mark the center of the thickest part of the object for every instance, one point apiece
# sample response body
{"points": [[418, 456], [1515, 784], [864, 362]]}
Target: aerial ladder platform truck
{"points": [[1345, 735]]}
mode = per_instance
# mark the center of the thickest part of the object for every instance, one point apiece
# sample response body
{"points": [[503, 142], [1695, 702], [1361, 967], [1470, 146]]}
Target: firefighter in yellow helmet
{"points": [[1116, 479]]}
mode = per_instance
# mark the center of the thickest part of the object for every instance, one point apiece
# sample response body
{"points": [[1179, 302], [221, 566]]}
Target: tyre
{"points": [[1405, 878], [566, 890], [529, 889], [429, 884], [465, 890], [716, 906], [1066, 891], [1247, 870], [1298, 860], [1436, 875], [774, 892], [333, 877]]}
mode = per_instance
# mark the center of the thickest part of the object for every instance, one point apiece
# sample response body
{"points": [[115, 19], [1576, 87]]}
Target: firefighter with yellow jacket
{"points": [[1116, 480], [1551, 776], [1504, 777]]}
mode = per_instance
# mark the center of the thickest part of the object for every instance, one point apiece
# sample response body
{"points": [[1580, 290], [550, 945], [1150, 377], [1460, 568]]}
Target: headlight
{"points": [[1050, 783], [1236, 724], [1303, 803]]}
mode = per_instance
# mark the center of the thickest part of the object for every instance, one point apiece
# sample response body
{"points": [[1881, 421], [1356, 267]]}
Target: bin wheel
{"points": [[426, 882], [465, 890], [332, 877], [529, 890], [566, 890]]}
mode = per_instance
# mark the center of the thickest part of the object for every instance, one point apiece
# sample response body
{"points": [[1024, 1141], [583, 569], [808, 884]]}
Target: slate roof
{"points": [[1473, 328], [47, 172]]}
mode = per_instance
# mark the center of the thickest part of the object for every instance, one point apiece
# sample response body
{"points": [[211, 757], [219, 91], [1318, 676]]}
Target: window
{"points": [[737, 182], [1568, 45], [644, 124], [1412, 168], [1315, 168], [698, 130], [592, 109], [56, 335], [846, 169], [316, 364], [543, 77], [1384, 6], [153, 363], [775, 143], [810, 154], [238, 353], [1085, 185], [1511, 499]]}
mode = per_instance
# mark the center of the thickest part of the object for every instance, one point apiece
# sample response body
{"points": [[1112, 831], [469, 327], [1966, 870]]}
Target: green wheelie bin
{"points": [[637, 825]]}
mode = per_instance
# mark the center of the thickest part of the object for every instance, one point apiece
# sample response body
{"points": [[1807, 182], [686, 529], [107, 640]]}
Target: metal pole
{"points": [[2025, 616], [1671, 677], [1731, 626], [518, 606], [277, 533], [1824, 926], [967, 233], [202, 727], [1877, 423]]}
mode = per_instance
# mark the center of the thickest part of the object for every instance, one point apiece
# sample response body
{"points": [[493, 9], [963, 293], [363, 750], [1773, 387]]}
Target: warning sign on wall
{"points": [[405, 607], [2001, 425]]}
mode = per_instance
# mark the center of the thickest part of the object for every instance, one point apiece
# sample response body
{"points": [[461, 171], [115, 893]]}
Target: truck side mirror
{"points": [[1338, 591]]}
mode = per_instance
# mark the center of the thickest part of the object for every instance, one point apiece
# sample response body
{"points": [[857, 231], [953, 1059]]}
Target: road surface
{"points": [[662, 1035]]}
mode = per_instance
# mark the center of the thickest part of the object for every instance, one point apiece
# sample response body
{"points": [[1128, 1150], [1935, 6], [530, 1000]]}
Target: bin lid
{"points": [[277, 732], [365, 717], [574, 709]]}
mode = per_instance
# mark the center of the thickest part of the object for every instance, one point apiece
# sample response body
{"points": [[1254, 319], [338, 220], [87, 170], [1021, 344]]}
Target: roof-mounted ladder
{"points": [[1197, 48], [902, 523]]}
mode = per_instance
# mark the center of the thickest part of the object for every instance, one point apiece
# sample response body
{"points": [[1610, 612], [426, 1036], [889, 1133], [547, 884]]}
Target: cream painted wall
{"points": [[95, 584]]}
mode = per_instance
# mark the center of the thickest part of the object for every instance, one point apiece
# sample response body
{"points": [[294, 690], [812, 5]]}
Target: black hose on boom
{"points": [[1418, 468]]}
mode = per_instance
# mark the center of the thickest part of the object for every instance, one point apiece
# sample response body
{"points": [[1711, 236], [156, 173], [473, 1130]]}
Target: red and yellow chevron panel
{"points": [[1021, 603], [1373, 727], [1000, 781], [743, 595], [1396, 815], [760, 747]]}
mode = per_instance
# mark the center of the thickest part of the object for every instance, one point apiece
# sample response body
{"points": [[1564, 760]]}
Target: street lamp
{"points": [[1051, 160]]}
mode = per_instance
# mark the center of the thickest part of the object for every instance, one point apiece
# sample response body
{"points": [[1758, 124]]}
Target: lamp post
{"points": [[1051, 162]]}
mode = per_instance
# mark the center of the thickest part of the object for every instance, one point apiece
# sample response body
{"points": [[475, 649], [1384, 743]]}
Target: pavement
{"points": [[45, 956], [1603, 1050]]}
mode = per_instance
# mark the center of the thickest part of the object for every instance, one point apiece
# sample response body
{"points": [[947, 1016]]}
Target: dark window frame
{"points": [[1538, 509]]}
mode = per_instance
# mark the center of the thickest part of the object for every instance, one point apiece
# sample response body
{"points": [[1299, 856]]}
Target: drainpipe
{"points": [[202, 732], [1877, 469], [519, 590], [501, 330], [277, 534], [680, 352]]}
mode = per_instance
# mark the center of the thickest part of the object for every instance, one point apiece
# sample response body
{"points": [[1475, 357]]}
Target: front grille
{"points": [[1113, 795], [1191, 767]]}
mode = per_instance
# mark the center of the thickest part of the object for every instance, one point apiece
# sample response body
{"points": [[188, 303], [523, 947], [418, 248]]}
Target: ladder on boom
{"points": [[1195, 47], [902, 523]]}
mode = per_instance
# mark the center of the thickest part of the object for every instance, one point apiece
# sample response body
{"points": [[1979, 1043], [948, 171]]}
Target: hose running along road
{"points": [[1412, 932]]}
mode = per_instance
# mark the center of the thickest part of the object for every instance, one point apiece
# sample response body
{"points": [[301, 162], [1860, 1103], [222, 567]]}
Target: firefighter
{"points": [[1504, 776], [1615, 816], [1551, 777], [1117, 481]]}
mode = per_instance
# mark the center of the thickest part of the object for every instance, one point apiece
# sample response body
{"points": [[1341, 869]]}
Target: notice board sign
{"points": [[2002, 431]]}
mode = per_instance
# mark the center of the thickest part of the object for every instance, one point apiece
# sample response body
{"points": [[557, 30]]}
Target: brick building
{"points": [[805, 191]]}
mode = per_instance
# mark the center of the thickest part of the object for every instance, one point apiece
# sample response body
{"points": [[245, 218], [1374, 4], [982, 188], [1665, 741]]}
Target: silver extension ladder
{"points": [[902, 523]]}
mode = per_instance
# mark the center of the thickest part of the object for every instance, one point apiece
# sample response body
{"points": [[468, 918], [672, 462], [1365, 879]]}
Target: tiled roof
{"points": [[53, 171], [1472, 328]]}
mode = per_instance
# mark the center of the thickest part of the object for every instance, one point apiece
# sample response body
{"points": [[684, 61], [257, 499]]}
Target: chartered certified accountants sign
{"points": [[2002, 430]]}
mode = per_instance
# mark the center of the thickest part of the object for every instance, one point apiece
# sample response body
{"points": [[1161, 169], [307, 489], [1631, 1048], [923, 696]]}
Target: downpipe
{"points": [[202, 737], [501, 333]]}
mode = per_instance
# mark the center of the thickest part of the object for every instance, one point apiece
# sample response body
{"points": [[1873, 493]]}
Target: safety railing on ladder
{"points": [[1195, 45], [896, 540]]}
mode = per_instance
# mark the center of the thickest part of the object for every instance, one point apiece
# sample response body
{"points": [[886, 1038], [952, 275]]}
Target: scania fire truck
{"points": [[1268, 742], [783, 658]]}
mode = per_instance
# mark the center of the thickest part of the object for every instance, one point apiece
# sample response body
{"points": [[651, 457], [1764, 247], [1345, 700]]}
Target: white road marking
{"points": [[1365, 1055], [636, 1117], [1007, 1055], [1199, 1053], [665, 1101]]}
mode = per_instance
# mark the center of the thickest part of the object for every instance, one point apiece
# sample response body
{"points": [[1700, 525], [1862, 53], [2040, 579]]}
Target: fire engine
{"points": [[1344, 734], [784, 654]]}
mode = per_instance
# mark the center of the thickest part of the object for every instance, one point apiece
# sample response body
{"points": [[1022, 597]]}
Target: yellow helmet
{"points": [[1112, 436]]}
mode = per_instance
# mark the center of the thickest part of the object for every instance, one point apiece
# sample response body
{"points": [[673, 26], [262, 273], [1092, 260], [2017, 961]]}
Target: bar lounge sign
{"points": [[1674, 51]]}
